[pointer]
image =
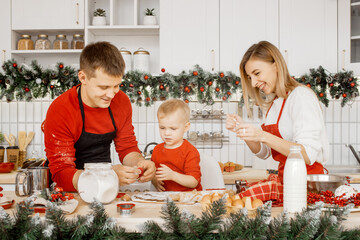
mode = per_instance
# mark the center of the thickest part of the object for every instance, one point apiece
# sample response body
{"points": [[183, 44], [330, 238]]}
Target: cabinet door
{"points": [[243, 23], [189, 34], [308, 34], [349, 36], [5, 29], [47, 14]]}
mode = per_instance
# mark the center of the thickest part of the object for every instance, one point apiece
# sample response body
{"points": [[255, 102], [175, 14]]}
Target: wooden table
{"points": [[151, 211]]}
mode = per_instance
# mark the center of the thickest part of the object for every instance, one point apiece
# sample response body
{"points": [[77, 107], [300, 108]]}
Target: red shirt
{"points": [[63, 127], [184, 159]]}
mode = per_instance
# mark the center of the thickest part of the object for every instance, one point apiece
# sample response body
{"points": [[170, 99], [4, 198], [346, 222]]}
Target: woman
{"points": [[293, 117]]}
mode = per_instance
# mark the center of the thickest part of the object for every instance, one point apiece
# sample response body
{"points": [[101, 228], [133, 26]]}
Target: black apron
{"points": [[91, 147]]}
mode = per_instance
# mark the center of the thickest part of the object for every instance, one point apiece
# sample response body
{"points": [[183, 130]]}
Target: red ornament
{"points": [[139, 92], [352, 84], [187, 89], [222, 75], [224, 98], [27, 89], [186, 100], [131, 85], [122, 85], [331, 84], [147, 99], [14, 65], [161, 87], [195, 73], [308, 85], [146, 77], [344, 95], [228, 93], [237, 82], [209, 83], [217, 89], [350, 79], [61, 66], [321, 94], [163, 69], [202, 89], [52, 86]]}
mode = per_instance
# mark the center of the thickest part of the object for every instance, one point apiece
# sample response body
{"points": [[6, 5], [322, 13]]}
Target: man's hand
{"points": [[126, 175], [149, 170]]}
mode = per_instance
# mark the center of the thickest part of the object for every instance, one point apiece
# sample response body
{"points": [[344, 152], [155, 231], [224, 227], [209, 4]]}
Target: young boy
{"points": [[176, 160]]}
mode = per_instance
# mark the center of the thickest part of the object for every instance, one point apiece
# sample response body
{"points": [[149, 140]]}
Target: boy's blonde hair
{"points": [[172, 105]]}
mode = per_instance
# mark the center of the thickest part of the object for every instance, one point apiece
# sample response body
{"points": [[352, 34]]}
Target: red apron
{"points": [[316, 168]]}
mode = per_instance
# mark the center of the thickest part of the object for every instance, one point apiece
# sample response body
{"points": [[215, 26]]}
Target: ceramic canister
{"points": [[142, 60], [126, 54]]}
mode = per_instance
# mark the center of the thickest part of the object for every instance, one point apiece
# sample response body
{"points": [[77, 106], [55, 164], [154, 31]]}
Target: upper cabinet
{"points": [[47, 14], [5, 29], [243, 23], [349, 35], [308, 34], [189, 35]]}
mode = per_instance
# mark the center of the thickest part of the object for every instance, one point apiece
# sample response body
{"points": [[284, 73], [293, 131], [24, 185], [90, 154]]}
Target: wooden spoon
{"points": [[28, 139], [21, 140]]}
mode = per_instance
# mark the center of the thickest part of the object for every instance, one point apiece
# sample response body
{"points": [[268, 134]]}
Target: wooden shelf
{"points": [[138, 30], [27, 53]]}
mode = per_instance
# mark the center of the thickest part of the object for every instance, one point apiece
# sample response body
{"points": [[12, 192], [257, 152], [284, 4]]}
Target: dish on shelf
{"points": [[6, 167], [7, 205]]}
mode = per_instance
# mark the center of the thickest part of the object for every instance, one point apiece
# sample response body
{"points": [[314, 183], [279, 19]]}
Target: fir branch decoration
{"points": [[22, 82]]}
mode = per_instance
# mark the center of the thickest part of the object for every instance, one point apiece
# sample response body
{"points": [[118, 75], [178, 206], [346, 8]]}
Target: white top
{"points": [[301, 122]]}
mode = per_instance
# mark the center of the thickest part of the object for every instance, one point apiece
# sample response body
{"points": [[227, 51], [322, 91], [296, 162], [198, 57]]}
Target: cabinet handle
{"points": [[286, 56], [343, 59], [77, 13], [212, 59], [3, 56]]}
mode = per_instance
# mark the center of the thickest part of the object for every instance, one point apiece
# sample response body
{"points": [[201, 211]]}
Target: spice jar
{"points": [[98, 181], [141, 60], [61, 42], [77, 41], [126, 54], [43, 42], [25, 43]]}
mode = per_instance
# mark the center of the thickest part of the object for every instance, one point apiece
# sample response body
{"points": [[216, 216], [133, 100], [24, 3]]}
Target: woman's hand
{"points": [[232, 121], [164, 173], [159, 185], [249, 132], [149, 170]]}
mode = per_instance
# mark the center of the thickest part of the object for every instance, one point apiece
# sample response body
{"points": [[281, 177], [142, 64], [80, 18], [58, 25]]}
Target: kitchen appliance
{"points": [[323, 182], [147, 155], [354, 152], [35, 179]]}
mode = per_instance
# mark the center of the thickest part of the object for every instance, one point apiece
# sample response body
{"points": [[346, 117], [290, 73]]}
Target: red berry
{"points": [[237, 82], [321, 94], [222, 75], [186, 100], [146, 77], [352, 84], [228, 93], [331, 84], [139, 92], [131, 85], [147, 99], [61, 66], [163, 69], [224, 98], [344, 95], [52, 86], [350, 79], [161, 87], [1, 189], [210, 83], [217, 89], [122, 85], [187, 89], [195, 73], [308, 85], [1, 195], [202, 89], [14, 65]]}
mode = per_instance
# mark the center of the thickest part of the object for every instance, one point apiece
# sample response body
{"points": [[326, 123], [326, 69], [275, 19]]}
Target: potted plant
{"points": [[149, 18], [99, 18], [2, 149]]}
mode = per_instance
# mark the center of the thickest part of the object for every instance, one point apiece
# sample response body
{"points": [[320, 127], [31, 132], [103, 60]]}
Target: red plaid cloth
{"points": [[267, 189]]}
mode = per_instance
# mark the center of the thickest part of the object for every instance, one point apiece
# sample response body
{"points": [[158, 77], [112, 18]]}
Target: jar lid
{"points": [[124, 51], [141, 51], [42, 35], [61, 35], [26, 36], [12, 147], [78, 35]]}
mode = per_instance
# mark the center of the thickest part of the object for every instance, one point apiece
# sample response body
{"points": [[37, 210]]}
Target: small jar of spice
{"points": [[43, 42], [25, 43], [61, 42], [77, 41]]}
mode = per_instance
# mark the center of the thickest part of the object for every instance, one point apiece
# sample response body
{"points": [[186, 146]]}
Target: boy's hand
{"points": [[159, 185], [164, 173]]}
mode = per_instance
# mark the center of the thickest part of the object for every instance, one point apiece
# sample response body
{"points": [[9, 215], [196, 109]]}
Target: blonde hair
{"points": [[267, 52], [172, 105]]}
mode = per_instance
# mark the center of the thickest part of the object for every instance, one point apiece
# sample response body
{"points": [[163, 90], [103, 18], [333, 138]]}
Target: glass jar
{"points": [[25, 43], [142, 60], [77, 41], [126, 54], [61, 42], [98, 181], [43, 42]]}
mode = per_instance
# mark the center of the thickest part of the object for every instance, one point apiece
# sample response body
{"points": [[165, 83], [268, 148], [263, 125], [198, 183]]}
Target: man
{"points": [[81, 123]]}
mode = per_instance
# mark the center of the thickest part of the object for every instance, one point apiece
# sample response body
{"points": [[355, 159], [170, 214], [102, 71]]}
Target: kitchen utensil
{"points": [[323, 182], [12, 153], [125, 209], [10, 142], [28, 139], [21, 140], [354, 152], [35, 179], [12, 139]]}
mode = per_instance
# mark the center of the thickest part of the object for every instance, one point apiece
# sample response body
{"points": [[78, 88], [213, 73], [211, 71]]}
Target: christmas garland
{"points": [[23, 82], [213, 223]]}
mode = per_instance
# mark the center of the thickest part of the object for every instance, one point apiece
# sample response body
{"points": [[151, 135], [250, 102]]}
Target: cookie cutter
{"points": [[125, 209]]}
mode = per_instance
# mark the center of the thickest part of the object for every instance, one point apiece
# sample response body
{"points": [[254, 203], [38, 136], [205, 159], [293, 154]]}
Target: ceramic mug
{"points": [[35, 179]]}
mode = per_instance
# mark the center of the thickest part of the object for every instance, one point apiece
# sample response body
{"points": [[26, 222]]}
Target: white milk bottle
{"points": [[295, 183]]}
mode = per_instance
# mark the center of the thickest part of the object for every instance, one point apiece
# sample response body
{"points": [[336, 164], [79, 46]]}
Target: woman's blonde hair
{"points": [[267, 52]]}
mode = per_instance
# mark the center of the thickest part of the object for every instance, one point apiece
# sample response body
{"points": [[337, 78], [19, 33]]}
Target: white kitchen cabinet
{"points": [[243, 23], [5, 29], [308, 34], [349, 35], [47, 14], [189, 35]]}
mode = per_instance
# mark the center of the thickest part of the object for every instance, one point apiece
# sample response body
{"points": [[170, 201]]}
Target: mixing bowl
{"points": [[323, 182]]}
